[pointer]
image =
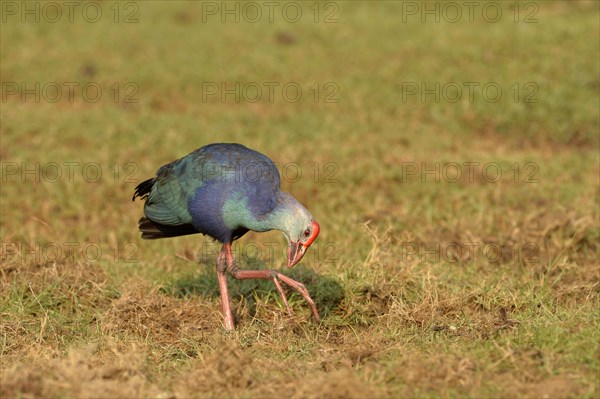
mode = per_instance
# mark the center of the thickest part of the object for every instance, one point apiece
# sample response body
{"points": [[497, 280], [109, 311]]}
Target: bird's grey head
{"points": [[298, 226]]}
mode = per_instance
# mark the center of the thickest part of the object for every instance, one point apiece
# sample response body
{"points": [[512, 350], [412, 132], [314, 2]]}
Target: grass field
{"points": [[453, 166]]}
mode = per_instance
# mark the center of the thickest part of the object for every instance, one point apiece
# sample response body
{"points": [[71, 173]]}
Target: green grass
{"points": [[400, 316]]}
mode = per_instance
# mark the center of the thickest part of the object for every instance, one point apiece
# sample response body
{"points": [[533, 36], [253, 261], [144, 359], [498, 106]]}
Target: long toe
{"points": [[282, 293], [302, 291]]}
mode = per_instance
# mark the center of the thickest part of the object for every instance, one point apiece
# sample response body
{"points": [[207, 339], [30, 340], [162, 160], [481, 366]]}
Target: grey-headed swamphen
{"points": [[223, 191]]}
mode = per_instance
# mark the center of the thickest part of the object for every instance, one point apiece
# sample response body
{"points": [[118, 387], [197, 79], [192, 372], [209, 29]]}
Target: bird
{"points": [[224, 190]]}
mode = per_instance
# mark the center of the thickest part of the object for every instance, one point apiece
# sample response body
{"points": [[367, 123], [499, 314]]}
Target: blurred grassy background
{"points": [[395, 324]]}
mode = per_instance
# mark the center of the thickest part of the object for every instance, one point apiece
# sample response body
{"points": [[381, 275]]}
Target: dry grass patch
{"points": [[49, 305], [144, 311], [120, 373]]}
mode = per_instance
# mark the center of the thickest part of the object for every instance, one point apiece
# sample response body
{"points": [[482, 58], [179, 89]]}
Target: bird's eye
{"points": [[306, 233]]}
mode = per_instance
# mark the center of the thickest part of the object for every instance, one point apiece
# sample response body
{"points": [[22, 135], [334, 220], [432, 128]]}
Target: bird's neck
{"points": [[280, 216], [238, 214]]}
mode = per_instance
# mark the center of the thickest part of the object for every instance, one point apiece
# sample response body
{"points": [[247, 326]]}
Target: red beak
{"points": [[295, 253], [296, 250]]}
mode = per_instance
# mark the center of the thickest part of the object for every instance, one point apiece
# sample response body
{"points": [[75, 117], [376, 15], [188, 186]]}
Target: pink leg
{"points": [[280, 289], [222, 278], [275, 277]]}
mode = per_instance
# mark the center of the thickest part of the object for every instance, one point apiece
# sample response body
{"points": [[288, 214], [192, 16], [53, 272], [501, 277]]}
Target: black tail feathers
{"points": [[143, 189], [152, 230]]}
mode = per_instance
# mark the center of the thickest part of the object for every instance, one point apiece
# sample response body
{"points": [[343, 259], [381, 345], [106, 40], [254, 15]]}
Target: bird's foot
{"points": [[282, 293], [277, 278], [299, 287]]}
